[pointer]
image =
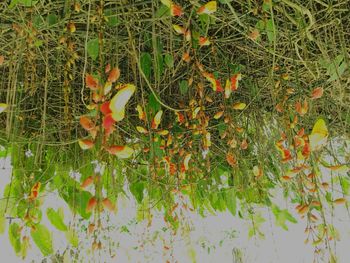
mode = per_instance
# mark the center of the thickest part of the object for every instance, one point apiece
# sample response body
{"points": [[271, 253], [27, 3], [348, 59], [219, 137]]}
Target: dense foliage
{"points": [[196, 106]]}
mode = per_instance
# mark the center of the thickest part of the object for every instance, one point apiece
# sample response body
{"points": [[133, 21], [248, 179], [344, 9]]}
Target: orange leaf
{"points": [[91, 82], [176, 10], [218, 115], [91, 204], [244, 144], [317, 93], [258, 172], [109, 205], [186, 57], [340, 201], [231, 159], [180, 117], [86, 144], [2, 59], [114, 75], [88, 181], [86, 123], [301, 109]]}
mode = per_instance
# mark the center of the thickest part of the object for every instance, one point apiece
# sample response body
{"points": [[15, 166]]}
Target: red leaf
{"points": [[34, 192], [114, 75], [108, 121], [105, 108], [91, 82]]}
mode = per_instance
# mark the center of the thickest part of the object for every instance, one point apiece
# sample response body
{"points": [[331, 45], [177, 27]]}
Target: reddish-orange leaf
{"points": [[108, 205], [114, 75], [180, 117], [234, 81], [86, 123], [91, 204], [88, 181], [306, 150], [203, 41], [91, 82], [286, 155], [122, 152], [279, 107], [176, 10], [34, 192], [317, 93]]}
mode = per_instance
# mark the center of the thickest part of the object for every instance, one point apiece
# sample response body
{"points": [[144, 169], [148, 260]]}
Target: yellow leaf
{"points": [[167, 3], [156, 120], [142, 114], [3, 107], [186, 160], [208, 8], [319, 135], [179, 29], [163, 132], [141, 129], [239, 106], [119, 101]]}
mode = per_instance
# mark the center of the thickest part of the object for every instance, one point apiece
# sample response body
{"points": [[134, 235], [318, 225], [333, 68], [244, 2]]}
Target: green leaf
{"points": [[230, 197], [146, 64], [43, 239], [72, 237], [56, 218], [137, 190], [183, 87], [112, 19], [93, 48], [15, 237], [169, 60], [51, 19], [225, 1], [2, 223], [153, 104], [271, 30], [163, 11]]}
